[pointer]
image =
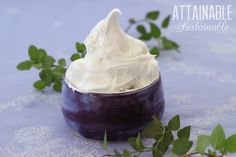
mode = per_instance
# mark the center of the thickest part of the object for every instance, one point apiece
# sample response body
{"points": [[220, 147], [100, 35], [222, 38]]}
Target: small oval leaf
{"points": [[152, 15], [155, 30], [166, 22], [39, 85]]}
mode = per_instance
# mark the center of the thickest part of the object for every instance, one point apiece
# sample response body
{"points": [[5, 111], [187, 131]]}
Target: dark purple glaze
{"points": [[121, 114]]}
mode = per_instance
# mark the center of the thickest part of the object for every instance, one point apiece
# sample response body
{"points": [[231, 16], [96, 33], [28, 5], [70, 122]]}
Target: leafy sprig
{"points": [[52, 71], [176, 140], [149, 30]]}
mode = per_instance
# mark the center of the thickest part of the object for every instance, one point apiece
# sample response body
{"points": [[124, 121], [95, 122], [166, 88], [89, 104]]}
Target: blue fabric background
{"points": [[199, 83]]}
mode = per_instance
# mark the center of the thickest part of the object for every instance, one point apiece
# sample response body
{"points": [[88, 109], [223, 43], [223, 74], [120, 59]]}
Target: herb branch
{"points": [[52, 71], [154, 33], [213, 145]]}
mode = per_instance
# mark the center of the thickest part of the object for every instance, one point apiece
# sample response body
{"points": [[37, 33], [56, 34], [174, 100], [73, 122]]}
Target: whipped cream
{"points": [[115, 62]]}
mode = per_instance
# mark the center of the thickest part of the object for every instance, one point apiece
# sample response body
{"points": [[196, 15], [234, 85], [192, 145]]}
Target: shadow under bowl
{"points": [[122, 115]]}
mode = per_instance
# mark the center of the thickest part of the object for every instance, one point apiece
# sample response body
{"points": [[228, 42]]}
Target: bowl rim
{"points": [[156, 81]]}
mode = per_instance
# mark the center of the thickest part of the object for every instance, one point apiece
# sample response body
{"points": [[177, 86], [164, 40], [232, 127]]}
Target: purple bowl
{"points": [[121, 114]]}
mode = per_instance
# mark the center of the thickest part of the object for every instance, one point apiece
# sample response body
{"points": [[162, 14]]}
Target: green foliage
{"points": [[154, 32], [105, 145], [153, 129], [81, 51], [145, 36], [49, 72], [39, 84], [165, 22], [80, 47], [62, 62], [174, 123], [184, 132], [157, 153], [126, 153], [57, 86], [217, 140], [75, 57], [230, 144], [152, 15], [169, 44], [136, 142], [155, 51], [218, 137], [163, 140], [181, 146], [141, 29], [203, 142], [25, 65]]}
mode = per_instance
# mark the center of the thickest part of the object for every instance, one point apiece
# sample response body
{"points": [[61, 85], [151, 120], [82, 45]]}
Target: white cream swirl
{"points": [[115, 62]]}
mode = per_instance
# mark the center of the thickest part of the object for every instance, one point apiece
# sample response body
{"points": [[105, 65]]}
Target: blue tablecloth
{"points": [[199, 83]]}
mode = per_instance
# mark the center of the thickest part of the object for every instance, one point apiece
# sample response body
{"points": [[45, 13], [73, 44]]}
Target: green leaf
{"points": [[155, 30], [141, 29], [230, 144], [168, 137], [131, 141], [138, 142], [153, 128], [157, 153], [184, 132], [166, 22], [25, 65], [75, 57], [203, 141], [42, 53], [58, 73], [145, 37], [57, 86], [48, 61], [126, 153], [117, 153], [37, 65], [165, 141], [39, 85], [152, 15], [80, 47], [155, 51], [62, 62], [33, 53], [181, 146], [105, 145], [158, 136], [47, 76], [174, 123], [169, 44], [218, 137], [163, 146]]}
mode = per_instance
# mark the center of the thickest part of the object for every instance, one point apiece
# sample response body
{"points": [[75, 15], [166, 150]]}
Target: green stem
{"points": [[135, 23]]}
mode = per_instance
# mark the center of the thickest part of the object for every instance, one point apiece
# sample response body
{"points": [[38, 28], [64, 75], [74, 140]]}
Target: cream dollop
{"points": [[115, 62]]}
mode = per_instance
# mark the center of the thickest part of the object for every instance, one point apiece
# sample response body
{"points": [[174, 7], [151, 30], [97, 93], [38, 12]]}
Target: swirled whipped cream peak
{"points": [[115, 62]]}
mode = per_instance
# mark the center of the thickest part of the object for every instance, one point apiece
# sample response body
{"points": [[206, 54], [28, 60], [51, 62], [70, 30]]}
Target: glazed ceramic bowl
{"points": [[121, 114]]}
